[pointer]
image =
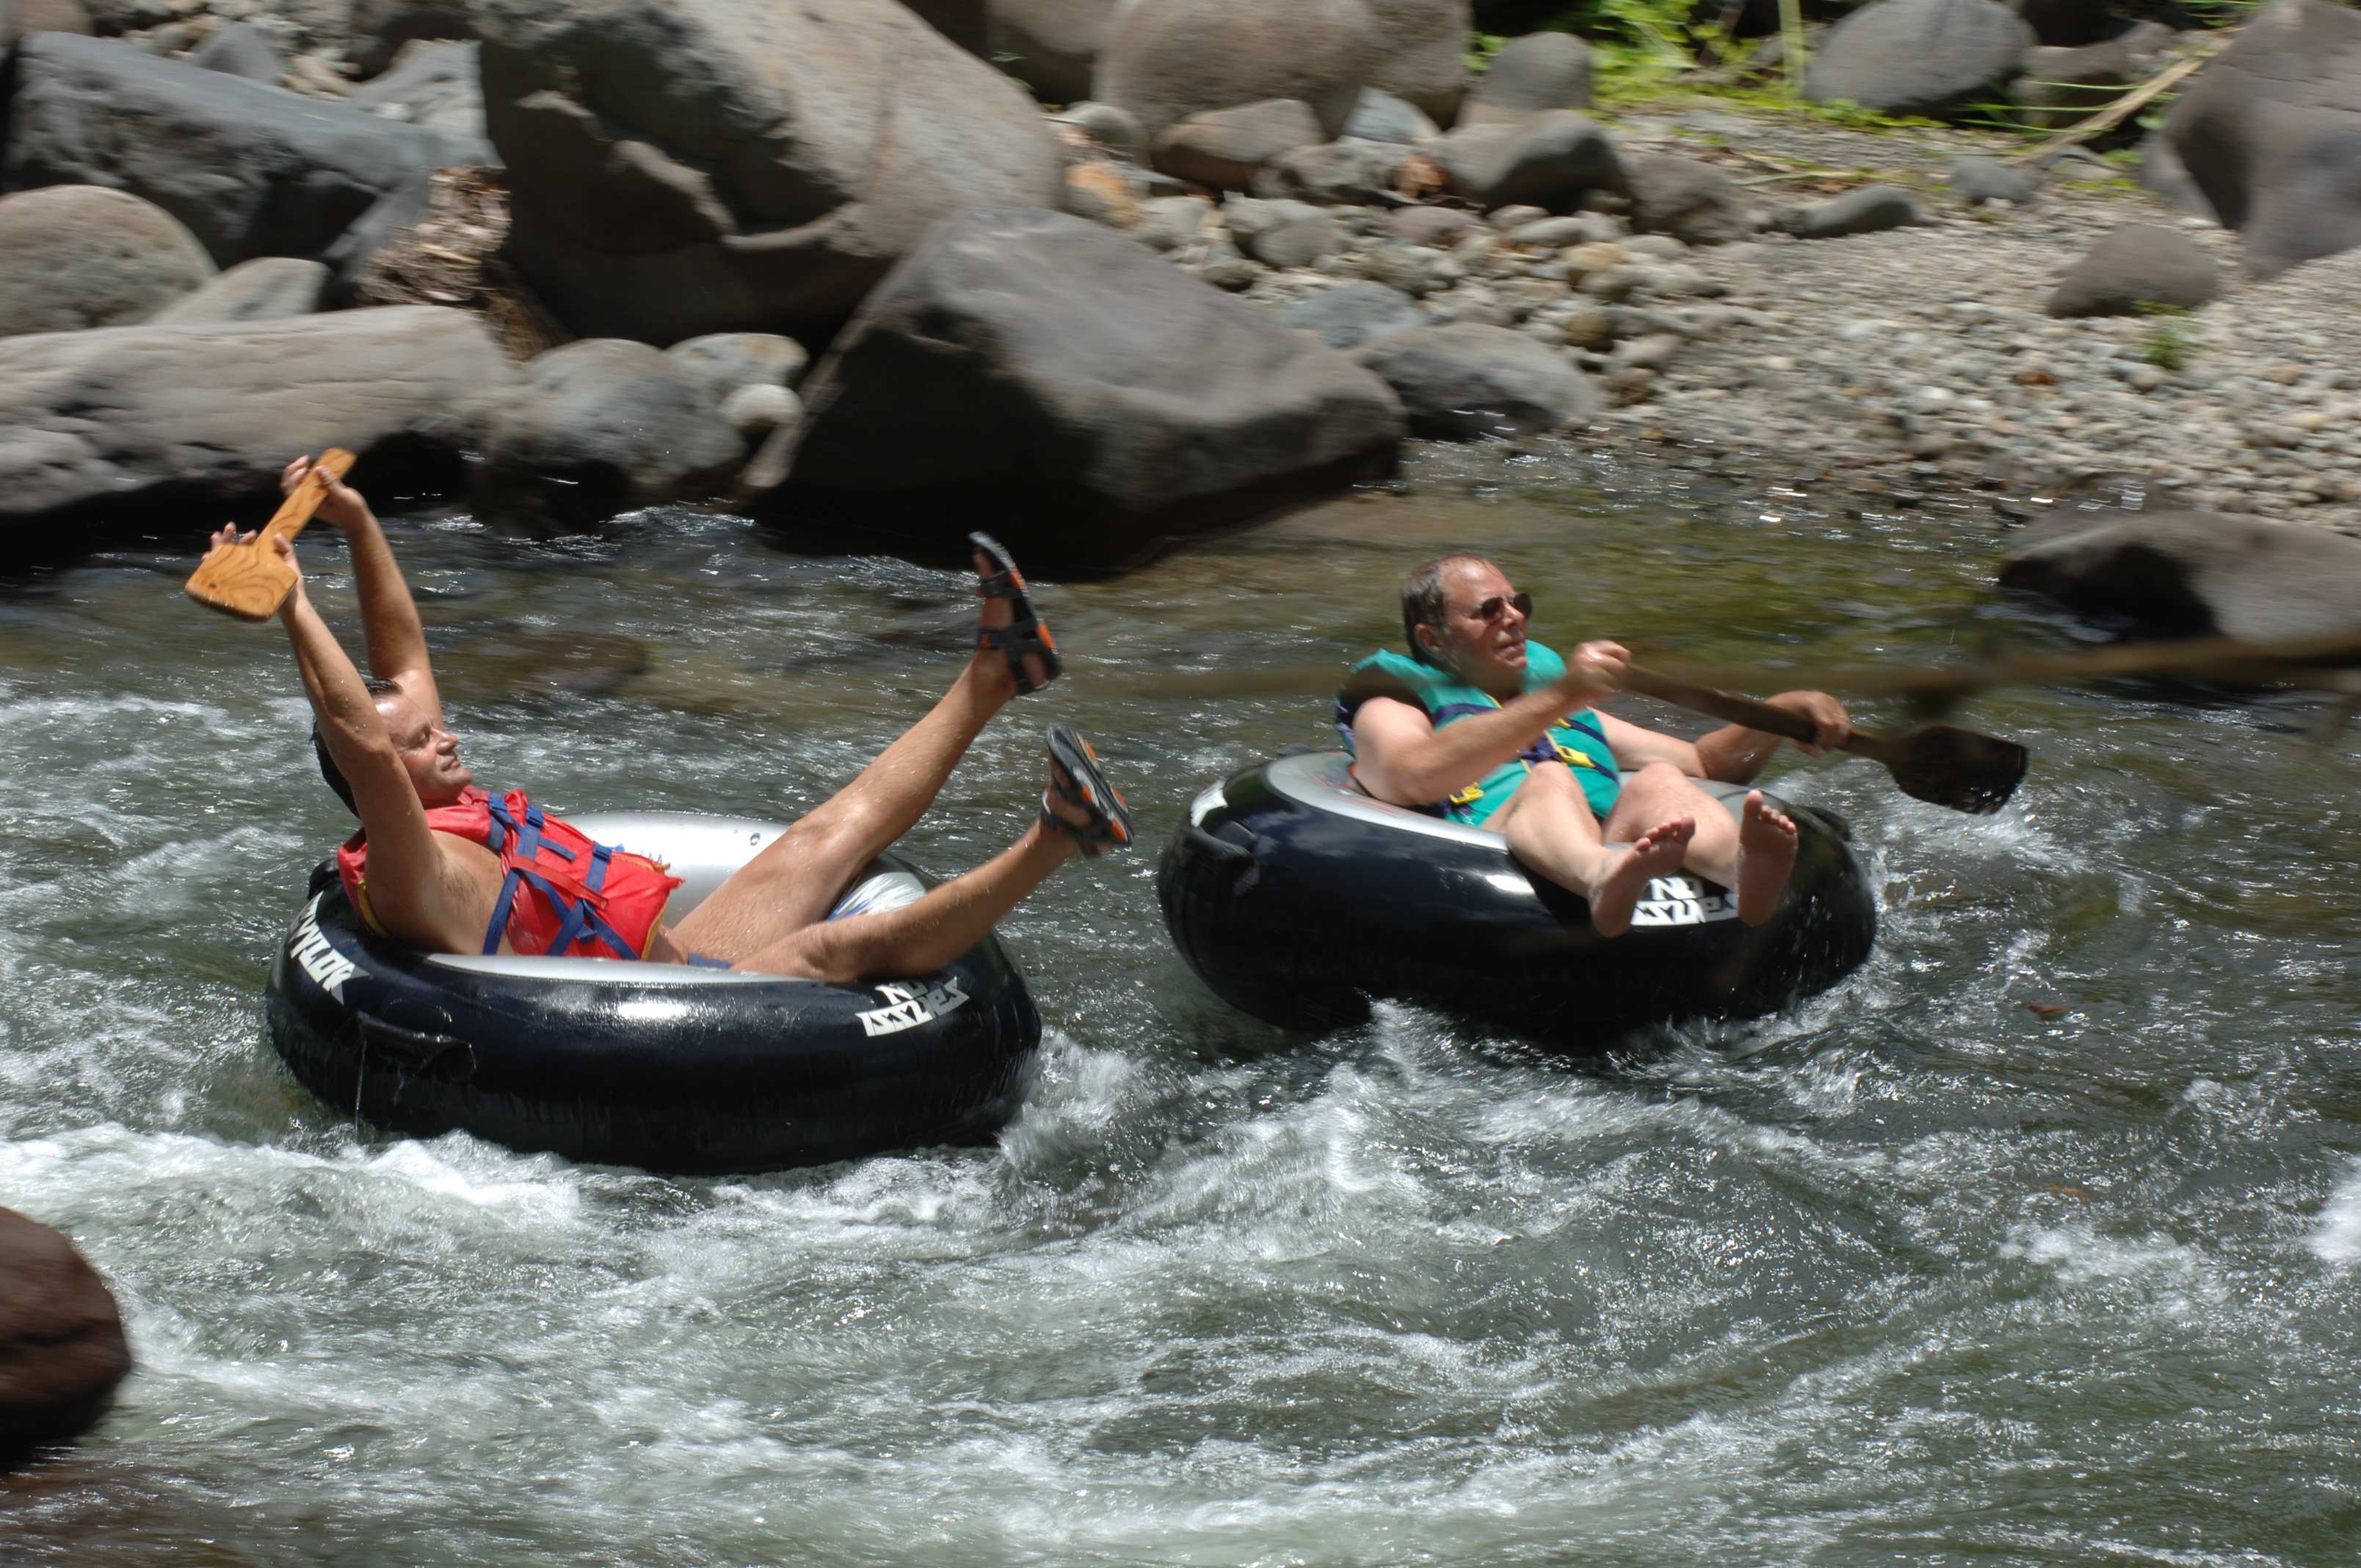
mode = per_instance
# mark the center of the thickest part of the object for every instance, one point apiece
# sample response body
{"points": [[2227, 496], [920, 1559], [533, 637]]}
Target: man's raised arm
{"points": [[389, 623], [410, 887]]}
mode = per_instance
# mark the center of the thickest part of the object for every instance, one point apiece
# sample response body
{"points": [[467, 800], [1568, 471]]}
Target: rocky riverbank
{"points": [[620, 232], [1907, 363]]}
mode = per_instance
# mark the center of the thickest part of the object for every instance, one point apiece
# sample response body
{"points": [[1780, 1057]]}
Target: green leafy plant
{"points": [[2162, 343]]}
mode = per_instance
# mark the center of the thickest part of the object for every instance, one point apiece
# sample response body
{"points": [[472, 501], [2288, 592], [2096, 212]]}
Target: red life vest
{"points": [[563, 895]]}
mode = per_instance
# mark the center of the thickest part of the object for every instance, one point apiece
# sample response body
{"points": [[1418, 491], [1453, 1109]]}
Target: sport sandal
{"points": [[1086, 787], [1026, 636]]}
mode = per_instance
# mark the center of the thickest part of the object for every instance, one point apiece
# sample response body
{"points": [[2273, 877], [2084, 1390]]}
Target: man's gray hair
{"points": [[1422, 596]]}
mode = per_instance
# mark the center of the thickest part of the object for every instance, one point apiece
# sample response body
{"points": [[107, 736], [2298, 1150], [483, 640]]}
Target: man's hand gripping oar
{"points": [[250, 577]]}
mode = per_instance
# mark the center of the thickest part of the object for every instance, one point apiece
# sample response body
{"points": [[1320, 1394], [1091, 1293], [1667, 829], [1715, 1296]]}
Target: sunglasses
{"points": [[1490, 609]]}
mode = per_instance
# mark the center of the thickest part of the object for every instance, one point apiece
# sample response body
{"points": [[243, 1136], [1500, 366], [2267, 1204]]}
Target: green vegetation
{"points": [[2162, 345]]}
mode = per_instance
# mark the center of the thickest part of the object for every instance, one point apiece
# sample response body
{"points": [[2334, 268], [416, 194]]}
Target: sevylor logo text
{"points": [[310, 948], [908, 1007]]}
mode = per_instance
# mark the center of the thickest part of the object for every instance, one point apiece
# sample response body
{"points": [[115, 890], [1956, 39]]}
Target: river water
{"points": [[1919, 1273]]}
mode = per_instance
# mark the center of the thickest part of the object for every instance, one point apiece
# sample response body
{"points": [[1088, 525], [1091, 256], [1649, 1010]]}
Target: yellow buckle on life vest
{"points": [[1468, 796], [1574, 759]]}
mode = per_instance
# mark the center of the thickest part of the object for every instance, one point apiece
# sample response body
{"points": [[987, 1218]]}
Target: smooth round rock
{"points": [[73, 257]]}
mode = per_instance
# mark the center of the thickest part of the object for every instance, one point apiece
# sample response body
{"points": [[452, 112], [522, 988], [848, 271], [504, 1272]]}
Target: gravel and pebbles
{"points": [[1901, 364]]}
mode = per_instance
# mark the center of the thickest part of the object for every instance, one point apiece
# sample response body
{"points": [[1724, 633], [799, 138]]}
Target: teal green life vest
{"points": [[1578, 740]]}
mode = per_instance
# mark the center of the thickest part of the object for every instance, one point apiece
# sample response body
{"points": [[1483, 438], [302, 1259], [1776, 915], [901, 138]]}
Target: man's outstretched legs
{"points": [[1549, 829], [1753, 856], [1080, 812], [1670, 824], [797, 879]]}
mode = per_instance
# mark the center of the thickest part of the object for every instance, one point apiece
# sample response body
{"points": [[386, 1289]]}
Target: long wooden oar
{"points": [[249, 580], [2302, 662], [1937, 763]]}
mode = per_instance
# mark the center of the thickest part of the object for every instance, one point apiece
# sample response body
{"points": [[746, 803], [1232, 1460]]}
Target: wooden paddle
{"points": [[1936, 764], [249, 580]]}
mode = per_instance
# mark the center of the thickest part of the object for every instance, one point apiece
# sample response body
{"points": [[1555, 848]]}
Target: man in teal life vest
{"points": [[1500, 732]]}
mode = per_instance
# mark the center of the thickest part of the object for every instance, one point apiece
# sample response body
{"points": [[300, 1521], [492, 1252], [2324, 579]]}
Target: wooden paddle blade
{"points": [[1959, 769], [249, 580], [242, 581]]}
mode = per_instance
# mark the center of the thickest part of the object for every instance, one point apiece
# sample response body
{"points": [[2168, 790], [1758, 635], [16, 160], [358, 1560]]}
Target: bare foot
{"points": [[994, 615], [1657, 852], [1766, 855]]}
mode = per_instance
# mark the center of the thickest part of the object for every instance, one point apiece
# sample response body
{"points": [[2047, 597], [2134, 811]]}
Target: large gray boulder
{"points": [[598, 427], [240, 49], [1549, 160], [18, 18], [378, 29], [81, 256], [722, 362], [1167, 60], [1052, 46], [1916, 57], [2271, 133], [1353, 314], [1421, 53], [252, 169], [2135, 266], [1534, 75], [213, 412], [1063, 382], [1466, 379], [1347, 173], [2060, 86], [439, 86], [267, 287], [1226, 148], [1692, 201], [2190, 574], [966, 22], [681, 167], [61, 1346]]}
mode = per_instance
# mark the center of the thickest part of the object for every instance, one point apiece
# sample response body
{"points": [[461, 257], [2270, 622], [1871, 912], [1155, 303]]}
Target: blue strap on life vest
{"points": [[581, 922]]}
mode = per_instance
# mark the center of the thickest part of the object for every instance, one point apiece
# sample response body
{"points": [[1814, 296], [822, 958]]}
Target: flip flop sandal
{"points": [[1026, 636], [1110, 824]]}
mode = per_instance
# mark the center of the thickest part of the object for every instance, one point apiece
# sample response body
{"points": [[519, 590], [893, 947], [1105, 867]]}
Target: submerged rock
{"points": [[1067, 384], [2189, 573], [61, 1347]]}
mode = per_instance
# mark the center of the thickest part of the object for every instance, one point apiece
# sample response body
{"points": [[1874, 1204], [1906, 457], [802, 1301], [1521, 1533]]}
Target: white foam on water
{"points": [[2172, 1277], [2337, 1239]]}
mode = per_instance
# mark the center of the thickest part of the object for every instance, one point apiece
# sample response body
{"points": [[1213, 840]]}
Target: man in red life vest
{"points": [[444, 867]]}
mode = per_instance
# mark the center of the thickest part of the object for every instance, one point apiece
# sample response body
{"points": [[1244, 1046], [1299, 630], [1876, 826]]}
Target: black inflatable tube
{"points": [[649, 1065], [1298, 900]]}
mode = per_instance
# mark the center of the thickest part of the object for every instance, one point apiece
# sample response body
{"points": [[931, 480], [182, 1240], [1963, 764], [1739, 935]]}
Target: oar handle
{"points": [[304, 498], [1732, 709]]}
